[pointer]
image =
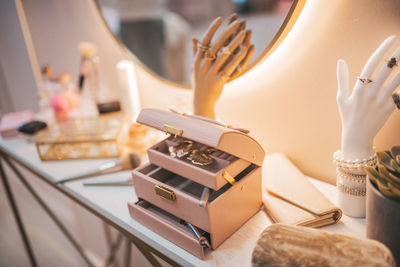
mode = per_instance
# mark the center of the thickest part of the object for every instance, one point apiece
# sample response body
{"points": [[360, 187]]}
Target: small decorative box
{"points": [[81, 138], [202, 183]]}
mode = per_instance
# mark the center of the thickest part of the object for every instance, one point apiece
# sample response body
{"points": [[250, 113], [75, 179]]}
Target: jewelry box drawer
{"points": [[215, 175], [166, 225], [227, 209]]}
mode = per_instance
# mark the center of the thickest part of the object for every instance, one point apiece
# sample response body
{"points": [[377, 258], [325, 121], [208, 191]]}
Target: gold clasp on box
{"points": [[164, 192], [172, 130], [228, 177]]}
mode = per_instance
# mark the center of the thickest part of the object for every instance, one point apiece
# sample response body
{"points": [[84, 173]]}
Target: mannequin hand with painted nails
{"points": [[217, 61], [366, 108]]}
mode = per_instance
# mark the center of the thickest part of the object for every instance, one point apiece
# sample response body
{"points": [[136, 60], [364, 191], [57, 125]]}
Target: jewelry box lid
{"points": [[206, 131]]}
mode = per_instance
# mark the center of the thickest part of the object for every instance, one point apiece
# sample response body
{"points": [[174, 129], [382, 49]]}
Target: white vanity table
{"points": [[110, 205], [276, 92]]}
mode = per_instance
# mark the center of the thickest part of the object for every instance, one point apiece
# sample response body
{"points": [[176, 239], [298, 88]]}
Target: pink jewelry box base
{"points": [[227, 210]]}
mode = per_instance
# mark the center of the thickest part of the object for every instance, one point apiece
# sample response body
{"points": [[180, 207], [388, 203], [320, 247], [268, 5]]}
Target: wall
{"points": [[17, 79]]}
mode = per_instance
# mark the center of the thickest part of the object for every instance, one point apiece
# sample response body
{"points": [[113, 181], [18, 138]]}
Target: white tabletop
{"points": [[111, 202]]}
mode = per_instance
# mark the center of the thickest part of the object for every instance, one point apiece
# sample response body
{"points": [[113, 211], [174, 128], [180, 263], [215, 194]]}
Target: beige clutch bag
{"points": [[291, 199]]}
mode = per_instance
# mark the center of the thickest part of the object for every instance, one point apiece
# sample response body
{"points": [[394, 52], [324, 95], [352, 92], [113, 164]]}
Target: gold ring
{"points": [[225, 50], [364, 80], [392, 62], [224, 76], [202, 47]]}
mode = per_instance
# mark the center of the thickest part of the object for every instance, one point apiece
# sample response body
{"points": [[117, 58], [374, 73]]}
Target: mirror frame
{"points": [[288, 23]]}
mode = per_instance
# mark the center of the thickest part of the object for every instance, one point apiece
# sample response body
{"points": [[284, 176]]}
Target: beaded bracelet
{"points": [[354, 191], [353, 164], [351, 177]]}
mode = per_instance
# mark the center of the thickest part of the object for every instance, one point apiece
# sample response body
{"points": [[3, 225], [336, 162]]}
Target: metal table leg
{"points": [[127, 256], [114, 249], [107, 233], [146, 249], [15, 211], [49, 212], [147, 254]]}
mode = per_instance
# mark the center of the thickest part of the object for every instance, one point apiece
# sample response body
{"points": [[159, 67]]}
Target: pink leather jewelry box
{"points": [[170, 189]]}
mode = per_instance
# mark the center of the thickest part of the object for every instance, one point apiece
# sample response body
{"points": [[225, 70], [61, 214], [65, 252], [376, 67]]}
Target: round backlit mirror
{"points": [[159, 32]]}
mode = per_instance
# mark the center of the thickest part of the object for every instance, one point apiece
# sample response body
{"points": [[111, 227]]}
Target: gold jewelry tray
{"points": [[83, 138]]}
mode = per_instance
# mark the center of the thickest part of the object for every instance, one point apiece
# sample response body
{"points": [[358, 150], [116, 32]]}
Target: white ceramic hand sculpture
{"points": [[365, 109], [363, 112]]}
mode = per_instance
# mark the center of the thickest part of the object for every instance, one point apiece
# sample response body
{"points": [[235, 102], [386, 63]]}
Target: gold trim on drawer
{"points": [[164, 192], [228, 177], [172, 130]]}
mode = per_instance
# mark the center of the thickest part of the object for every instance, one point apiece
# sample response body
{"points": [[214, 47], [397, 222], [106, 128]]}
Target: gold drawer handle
{"points": [[164, 192]]}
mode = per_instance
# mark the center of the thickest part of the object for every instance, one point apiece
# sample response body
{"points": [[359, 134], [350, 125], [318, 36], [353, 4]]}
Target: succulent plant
{"points": [[386, 176]]}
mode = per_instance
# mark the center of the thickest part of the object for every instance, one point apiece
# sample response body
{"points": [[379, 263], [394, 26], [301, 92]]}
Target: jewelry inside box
{"points": [[197, 153]]}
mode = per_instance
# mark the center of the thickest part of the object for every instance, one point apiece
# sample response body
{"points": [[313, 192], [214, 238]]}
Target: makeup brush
{"points": [[202, 240], [126, 182], [87, 51], [127, 161]]}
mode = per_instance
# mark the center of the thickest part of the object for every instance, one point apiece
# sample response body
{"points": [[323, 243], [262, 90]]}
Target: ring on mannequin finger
{"points": [[392, 62], [202, 47], [396, 99], [224, 76], [226, 50], [364, 80]]}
